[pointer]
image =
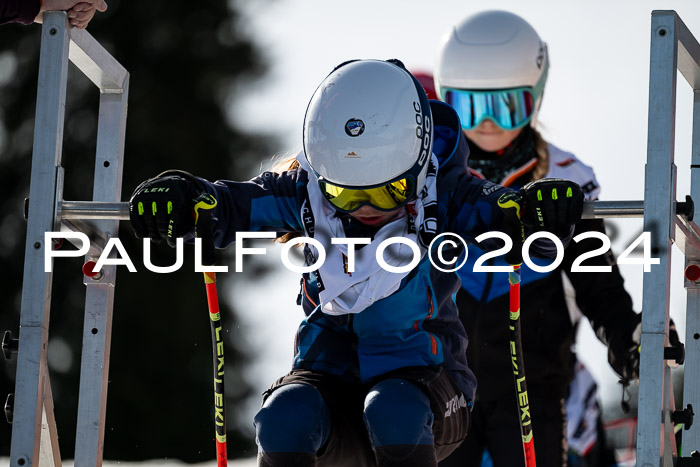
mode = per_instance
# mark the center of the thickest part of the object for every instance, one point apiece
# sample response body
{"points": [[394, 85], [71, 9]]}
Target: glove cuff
{"points": [[185, 175]]}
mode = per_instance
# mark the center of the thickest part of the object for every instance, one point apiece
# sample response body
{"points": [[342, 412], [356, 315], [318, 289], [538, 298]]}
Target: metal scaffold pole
{"points": [[691, 388], [34, 432], [673, 49], [655, 390], [32, 373]]}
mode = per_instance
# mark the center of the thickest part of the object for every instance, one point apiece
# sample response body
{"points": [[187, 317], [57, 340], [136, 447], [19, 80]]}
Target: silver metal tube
{"points": [[610, 209], [120, 210], [94, 210], [96, 63]]}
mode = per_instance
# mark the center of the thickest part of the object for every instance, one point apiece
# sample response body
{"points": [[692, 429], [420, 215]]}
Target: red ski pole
{"points": [[511, 208], [516, 353], [203, 229]]}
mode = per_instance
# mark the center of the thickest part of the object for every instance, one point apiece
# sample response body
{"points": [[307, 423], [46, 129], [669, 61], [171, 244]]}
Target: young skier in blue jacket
{"points": [[379, 375]]}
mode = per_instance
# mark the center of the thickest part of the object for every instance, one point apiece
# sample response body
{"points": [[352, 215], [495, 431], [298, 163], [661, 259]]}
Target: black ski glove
{"points": [[624, 352], [553, 205], [512, 202], [162, 207]]}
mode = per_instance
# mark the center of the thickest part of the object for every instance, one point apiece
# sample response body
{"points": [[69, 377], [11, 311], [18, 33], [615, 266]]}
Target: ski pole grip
{"points": [[204, 226], [511, 204]]}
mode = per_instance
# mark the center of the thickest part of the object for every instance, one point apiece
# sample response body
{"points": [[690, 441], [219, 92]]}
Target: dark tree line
{"points": [[183, 59]]}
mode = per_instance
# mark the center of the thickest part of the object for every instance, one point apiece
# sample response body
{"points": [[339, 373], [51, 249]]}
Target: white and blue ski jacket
{"points": [[416, 326]]}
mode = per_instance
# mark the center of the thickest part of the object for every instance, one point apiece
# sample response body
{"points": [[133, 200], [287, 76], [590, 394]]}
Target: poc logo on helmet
{"points": [[354, 127], [423, 131], [540, 55]]}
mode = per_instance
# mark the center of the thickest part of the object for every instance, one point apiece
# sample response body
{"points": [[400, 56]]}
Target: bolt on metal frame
{"points": [[34, 437]]}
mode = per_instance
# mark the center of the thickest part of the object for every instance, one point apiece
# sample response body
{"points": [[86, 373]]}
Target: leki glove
{"points": [[553, 205], [624, 353], [162, 207]]}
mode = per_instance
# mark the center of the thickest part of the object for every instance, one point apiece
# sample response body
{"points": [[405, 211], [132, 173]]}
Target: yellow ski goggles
{"points": [[384, 198]]}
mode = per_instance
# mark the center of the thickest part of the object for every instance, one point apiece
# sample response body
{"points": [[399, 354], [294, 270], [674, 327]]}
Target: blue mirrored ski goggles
{"points": [[508, 108]]}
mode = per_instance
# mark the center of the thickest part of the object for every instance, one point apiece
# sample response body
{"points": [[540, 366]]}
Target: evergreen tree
{"points": [[184, 59]]}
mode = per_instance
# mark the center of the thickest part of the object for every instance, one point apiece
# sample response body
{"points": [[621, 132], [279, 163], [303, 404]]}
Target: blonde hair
{"points": [[280, 165], [542, 166]]}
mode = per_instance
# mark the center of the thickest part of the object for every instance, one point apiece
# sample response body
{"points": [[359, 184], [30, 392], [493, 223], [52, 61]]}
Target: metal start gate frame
{"points": [[34, 437]]}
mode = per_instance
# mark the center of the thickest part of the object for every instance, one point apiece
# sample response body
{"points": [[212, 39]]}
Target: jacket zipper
{"points": [[431, 310]]}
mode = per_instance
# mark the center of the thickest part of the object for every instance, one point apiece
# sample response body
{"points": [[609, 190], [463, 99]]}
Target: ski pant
{"points": [[409, 417], [496, 428]]}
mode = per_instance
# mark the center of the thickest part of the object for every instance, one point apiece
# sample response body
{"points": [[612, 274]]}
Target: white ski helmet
{"points": [[492, 50], [369, 124]]}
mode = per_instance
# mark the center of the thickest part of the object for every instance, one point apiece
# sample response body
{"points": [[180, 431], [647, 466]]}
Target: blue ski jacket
{"points": [[416, 326]]}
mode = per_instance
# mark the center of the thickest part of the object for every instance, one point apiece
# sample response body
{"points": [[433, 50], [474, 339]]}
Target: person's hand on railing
{"points": [[552, 204], [162, 208], [80, 15], [79, 12]]}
